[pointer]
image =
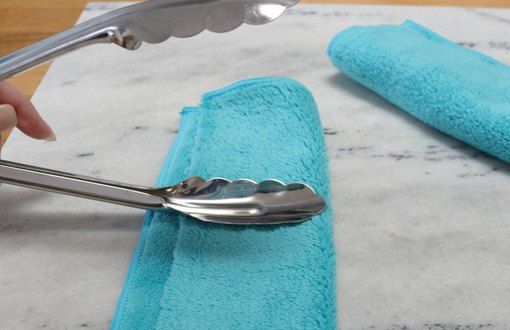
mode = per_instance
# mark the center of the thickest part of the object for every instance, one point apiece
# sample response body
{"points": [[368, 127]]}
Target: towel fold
{"points": [[188, 274], [459, 91]]}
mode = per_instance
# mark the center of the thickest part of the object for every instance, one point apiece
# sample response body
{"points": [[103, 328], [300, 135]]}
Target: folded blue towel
{"points": [[188, 274], [459, 91]]}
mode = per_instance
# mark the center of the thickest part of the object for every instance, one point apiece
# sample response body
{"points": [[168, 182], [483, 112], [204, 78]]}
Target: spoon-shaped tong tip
{"points": [[244, 201]]}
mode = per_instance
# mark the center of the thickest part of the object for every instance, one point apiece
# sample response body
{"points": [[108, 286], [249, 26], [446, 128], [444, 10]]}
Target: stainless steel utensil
{"points": [[151, 21], [240, 202]]}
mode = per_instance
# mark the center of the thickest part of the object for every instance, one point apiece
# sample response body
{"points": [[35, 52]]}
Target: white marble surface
{"points": [[422, 224]]}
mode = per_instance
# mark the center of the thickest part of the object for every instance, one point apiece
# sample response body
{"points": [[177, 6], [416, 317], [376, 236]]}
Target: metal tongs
{"points": [[240, 202]]}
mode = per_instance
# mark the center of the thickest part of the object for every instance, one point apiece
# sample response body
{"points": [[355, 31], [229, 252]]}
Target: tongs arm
{"points": [[81, 186], [61, 43]]}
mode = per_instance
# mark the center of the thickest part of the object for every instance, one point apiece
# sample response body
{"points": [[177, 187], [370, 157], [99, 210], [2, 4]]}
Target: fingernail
{"points": [[51, 137], [8, 118]]}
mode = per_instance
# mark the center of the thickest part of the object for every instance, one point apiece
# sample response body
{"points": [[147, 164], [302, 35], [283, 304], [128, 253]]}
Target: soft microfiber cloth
{"points": [[188, 274], [459, 91]]}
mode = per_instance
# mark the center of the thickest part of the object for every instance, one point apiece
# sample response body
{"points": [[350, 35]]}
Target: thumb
{"points": [[8, 117]]}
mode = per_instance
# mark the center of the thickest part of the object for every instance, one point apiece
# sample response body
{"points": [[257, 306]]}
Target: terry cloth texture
{"points": [[188, 274], [459, 91]]}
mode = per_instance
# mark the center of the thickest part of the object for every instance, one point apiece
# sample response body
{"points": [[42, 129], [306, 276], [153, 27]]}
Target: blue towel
{"points": [[459, 91], [188, 274]]}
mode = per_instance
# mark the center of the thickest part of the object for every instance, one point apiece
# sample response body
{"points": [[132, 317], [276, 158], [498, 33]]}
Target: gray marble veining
{"points": [[421, 220]]}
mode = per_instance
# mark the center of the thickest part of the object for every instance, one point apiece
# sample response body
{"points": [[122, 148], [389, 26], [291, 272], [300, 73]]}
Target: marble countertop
{"points": [[421, 220]]}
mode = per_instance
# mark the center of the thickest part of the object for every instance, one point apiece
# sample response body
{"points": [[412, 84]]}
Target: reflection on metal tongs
{"points": [[240, 202]]}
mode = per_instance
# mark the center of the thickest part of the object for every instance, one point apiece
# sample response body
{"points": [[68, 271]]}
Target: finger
{"points": [[8, 118], [29, 120]]}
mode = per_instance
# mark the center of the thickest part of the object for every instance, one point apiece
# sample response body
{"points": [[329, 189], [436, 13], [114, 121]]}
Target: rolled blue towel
{"points": [[188, 274], [459, 91]]}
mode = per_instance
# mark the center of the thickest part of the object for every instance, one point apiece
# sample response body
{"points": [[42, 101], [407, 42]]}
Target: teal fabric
{"points": [[187, 274], [459, 91]]}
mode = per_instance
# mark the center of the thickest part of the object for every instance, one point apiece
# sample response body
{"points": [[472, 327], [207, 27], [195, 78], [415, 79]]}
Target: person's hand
{"points": [[17, 111]]}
